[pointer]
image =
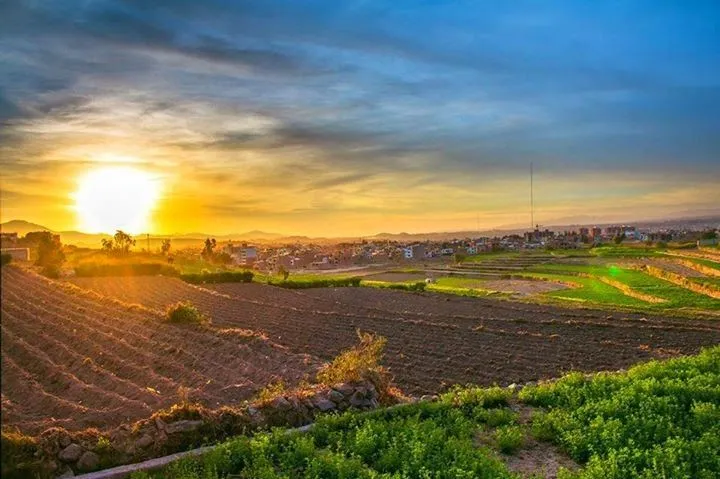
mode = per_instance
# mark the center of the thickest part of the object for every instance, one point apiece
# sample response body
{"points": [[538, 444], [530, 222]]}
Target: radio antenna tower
{"points": [[532, 205]]}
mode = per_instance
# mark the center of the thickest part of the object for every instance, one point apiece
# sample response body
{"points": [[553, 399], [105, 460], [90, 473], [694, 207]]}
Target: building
{"points": [[8, 240], [18, 254], [243, 255]]}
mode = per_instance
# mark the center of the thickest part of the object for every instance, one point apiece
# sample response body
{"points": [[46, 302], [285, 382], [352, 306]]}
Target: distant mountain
{"points": [[21, 227]]}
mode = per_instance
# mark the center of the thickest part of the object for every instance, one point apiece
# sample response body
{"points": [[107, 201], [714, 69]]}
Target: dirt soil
{"points": [[521, 287], [75, 359], [434, 340]]}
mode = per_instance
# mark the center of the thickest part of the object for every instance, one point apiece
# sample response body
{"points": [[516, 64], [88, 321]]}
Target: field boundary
{"points": [[682, 281], [700, 268]]}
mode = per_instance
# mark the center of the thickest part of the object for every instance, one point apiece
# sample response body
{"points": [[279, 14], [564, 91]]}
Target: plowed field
{"points": [[72, 358], [434, 340]]}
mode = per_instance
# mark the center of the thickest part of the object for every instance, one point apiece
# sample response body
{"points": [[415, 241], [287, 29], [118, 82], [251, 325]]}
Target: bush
{"points": [[509, 438], [184, 313], [361, 362], [124, 269], [417, 286], [221, 277], [317, 283], [5, 259]]}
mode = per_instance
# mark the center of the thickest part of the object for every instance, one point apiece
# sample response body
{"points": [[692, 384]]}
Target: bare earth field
{"points": [[523, 287], [434, 340], [74, 359]]}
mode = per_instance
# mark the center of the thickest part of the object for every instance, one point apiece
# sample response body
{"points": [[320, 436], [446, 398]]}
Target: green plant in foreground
{"points": [[184, 313], [509, 438]]}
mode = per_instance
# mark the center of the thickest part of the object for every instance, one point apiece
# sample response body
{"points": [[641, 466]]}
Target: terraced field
{"points": [[434, 340], [75, 359]]}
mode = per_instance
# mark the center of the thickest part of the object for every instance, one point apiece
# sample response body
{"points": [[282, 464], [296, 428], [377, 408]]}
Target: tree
{"points": [[619, 238], [50, 254], [165, 248], [208, 251], [107, 245], [123, 242], [708, 235], [459, 258]]}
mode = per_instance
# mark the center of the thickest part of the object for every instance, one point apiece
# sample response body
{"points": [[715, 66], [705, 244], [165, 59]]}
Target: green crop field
{"points": [[594, 290], [659, 419]]}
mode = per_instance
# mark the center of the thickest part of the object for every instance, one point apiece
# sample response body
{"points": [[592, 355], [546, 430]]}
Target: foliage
{"points": [[509, 439], [185, 312], [271, 391], [459, 258], [119, 245], [5, 259], [165, 247], [357, 363], [209, 248], [709, 235], [220, 277], [50, 254], [660, 419], [431, 440], [405, 286], [18, 456], [124, 269], [317, 283]]}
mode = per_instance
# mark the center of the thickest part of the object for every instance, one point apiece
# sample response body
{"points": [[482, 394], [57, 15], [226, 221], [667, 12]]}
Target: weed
{"points": [[509, 439], [184, 313]]}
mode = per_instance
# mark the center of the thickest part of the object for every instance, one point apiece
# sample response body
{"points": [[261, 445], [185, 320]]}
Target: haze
{"points": [[350, 118]]}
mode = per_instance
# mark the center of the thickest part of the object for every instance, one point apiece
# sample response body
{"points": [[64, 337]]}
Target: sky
{"points": [[330, 118]]}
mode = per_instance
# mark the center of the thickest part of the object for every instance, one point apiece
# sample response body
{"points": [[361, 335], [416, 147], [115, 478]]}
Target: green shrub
{"points": [[500, 417], [220, 277], [5, 259], [317, 283], [417, 286], [124, 269], [184, 313], [509, 438]]}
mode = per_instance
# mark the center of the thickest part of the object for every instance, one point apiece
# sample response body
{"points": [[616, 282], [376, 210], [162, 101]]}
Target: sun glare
{"points": [[117, 197]]}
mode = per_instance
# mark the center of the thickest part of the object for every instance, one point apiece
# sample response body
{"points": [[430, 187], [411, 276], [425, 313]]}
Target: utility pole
{"points": [[532, 211]]}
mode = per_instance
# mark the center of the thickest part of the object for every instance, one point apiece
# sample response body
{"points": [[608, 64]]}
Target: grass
{"points": [[361, 362], [657, 420], [185, 313], [419, 440], [593, 290], [660, 419]]}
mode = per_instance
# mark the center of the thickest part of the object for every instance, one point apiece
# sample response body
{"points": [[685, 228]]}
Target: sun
{"points": [[116, 198]]}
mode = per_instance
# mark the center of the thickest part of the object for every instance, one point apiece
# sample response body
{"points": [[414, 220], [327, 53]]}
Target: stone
{"points": [[345, 388], [336, 396], [71, 453], [325, 405], [67, 474], [357, 400], [64, 440], [88, 461], [144, 441], [182, 426], [159, 424], [280, 403]]}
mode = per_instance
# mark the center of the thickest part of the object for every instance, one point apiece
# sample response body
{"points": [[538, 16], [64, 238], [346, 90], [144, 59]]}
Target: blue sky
{"points": [[357, 117]]}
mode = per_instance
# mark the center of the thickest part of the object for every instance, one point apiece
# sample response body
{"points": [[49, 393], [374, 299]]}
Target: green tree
{"points": [[459, 258], [619, 238], [708, 235]]}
